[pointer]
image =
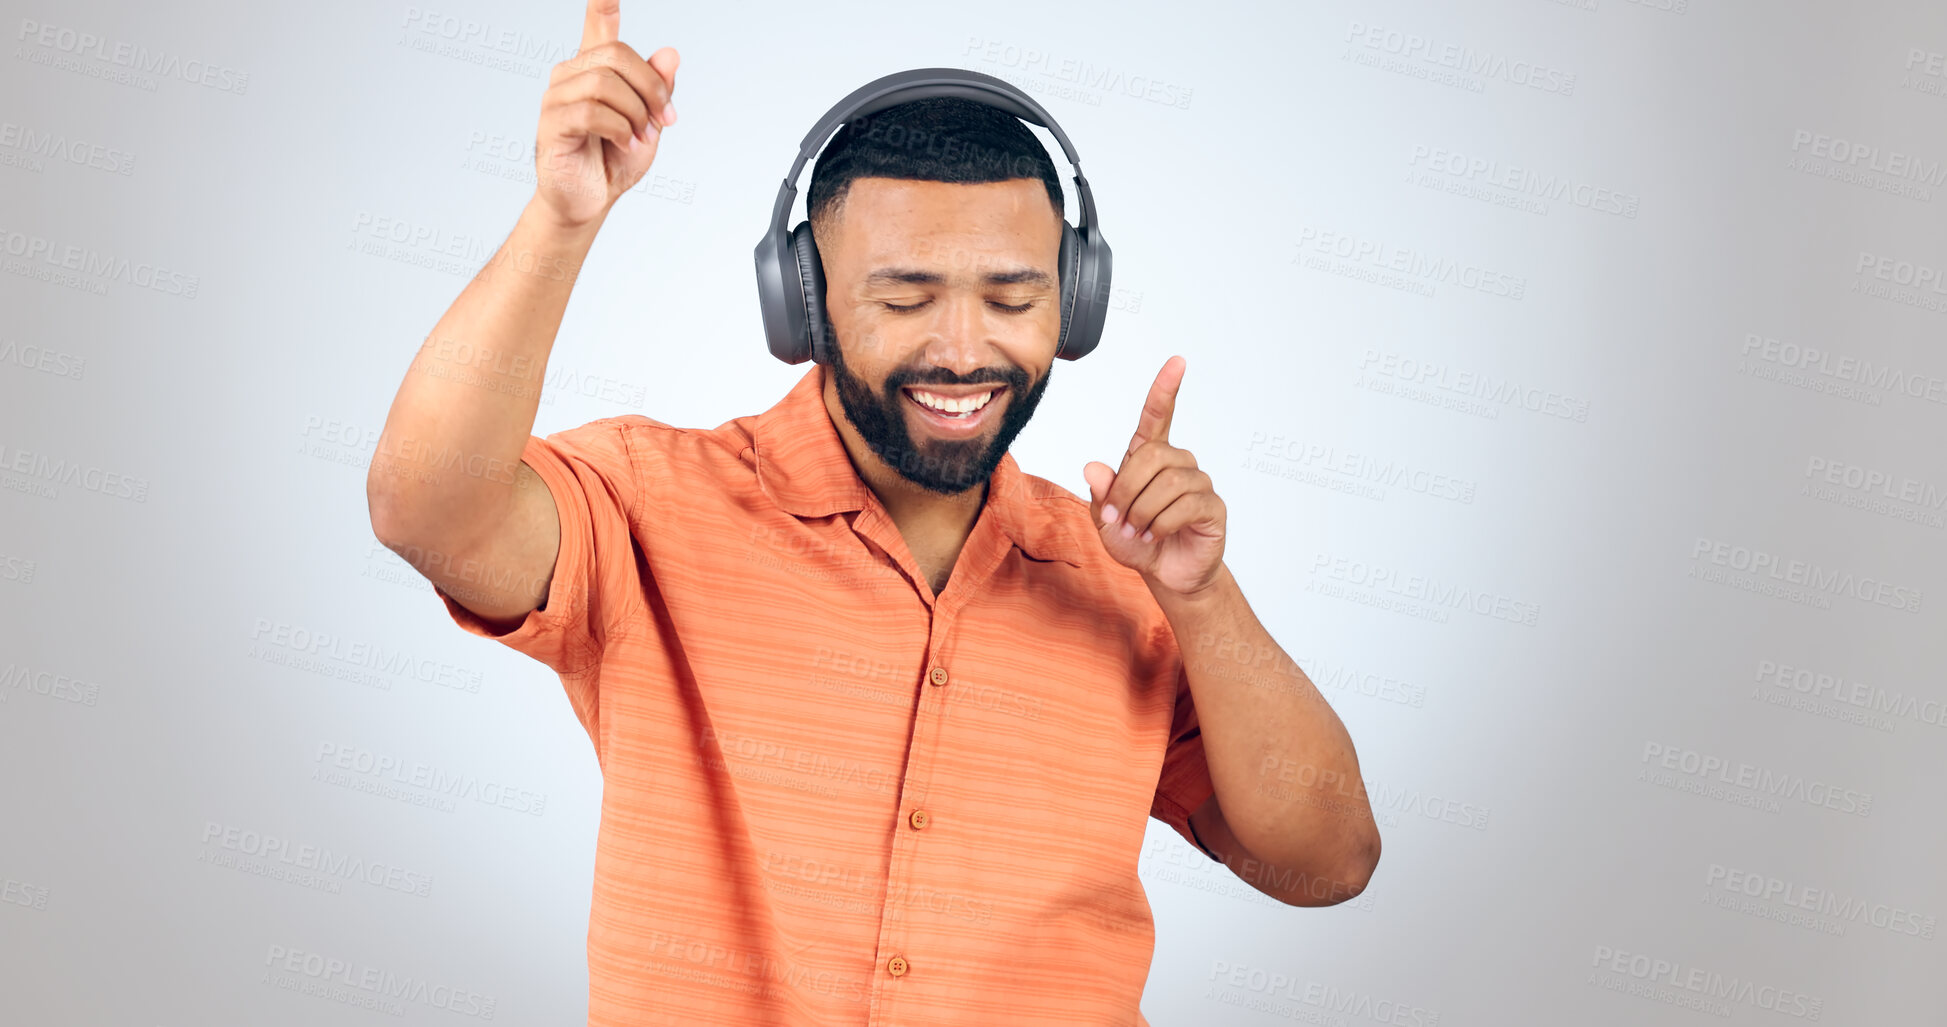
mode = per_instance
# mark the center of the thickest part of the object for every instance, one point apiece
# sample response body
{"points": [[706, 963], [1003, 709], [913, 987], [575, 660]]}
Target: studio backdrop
{"points": [[1573, 373]]}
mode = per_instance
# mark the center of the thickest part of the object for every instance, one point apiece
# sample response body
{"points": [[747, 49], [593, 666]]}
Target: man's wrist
{"points": [[552, 232], [1209, 596]]}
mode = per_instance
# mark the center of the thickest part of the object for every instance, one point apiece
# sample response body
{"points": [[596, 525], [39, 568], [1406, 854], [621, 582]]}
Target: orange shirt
{"points": [[831, 797]]}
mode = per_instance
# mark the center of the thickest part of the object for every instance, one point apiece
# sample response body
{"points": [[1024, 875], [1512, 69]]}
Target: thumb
{"points": [[665, 61], [1100, 477]]}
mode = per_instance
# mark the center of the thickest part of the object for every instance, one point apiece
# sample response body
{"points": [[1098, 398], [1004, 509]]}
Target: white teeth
{"points": [[949, 405]]}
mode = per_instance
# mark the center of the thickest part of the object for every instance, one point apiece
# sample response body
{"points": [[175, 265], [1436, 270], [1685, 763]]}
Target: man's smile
{"points": [[956, 411]]}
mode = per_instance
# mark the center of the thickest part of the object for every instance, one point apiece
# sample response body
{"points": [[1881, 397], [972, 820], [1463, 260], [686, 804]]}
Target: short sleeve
{"points": [[1184, 784], [589, 471]]}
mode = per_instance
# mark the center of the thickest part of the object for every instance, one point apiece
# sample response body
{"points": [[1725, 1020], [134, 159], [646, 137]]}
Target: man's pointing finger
{"points": [[1159, 406], [601, 24]]}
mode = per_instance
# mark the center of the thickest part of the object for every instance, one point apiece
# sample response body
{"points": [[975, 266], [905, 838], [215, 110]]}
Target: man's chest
{"points": [[881, 669], [936, 567], [819, 678]]}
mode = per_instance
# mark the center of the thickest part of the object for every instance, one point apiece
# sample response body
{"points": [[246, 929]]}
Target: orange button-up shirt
{"points": [[830, 796]]}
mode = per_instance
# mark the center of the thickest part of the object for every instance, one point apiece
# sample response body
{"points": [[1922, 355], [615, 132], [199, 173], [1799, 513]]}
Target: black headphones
{"points": [[791, 279]]}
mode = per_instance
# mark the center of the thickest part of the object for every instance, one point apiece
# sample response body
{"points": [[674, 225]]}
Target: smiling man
{"points": [[944, 294], [881, 718]]}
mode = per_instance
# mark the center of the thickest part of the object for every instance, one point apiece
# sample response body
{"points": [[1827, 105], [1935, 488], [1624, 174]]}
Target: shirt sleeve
{"points": [[589, 472], [1184, 783]]}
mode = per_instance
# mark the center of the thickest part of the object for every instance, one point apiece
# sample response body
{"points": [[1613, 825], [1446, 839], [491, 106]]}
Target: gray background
{"points": [[1705, 337]]}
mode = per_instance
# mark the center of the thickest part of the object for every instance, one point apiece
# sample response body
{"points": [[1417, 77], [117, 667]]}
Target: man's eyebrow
{"points": [[913, 276]]}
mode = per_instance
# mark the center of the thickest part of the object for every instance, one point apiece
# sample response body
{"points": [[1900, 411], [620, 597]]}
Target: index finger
{"points": [[601, 24], [1159, 406]]}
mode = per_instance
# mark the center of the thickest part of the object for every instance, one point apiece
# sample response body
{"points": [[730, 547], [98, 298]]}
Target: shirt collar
{"points": [[803, 466]]}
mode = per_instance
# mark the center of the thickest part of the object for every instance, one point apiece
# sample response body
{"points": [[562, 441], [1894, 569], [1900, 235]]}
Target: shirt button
{"points": [[938, 676], [896, 966], [918, 820]]}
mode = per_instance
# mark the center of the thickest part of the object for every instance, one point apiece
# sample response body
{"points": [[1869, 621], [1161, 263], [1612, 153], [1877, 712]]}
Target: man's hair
{"points": [[937, 139]]}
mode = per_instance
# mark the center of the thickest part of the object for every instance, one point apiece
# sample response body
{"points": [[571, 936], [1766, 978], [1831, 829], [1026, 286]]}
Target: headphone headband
{"points": [[922, 83]]}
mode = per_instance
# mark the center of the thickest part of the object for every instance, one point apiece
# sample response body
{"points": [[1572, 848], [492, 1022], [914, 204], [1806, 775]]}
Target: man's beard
{"points": [[946, 466]]}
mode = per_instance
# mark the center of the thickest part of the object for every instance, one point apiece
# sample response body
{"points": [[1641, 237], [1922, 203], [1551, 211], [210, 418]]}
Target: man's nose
{"points": [[959, 340]]}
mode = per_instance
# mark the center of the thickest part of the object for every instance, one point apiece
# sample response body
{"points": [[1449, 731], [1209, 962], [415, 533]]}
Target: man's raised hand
{"points": [[601, 119], [1157, 513]]}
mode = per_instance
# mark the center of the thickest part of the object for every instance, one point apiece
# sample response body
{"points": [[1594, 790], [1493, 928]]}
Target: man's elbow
{"points": [[1358, 870], [1344, 879]]}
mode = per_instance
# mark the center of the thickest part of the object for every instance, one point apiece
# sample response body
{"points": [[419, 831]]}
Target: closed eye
{"points": [[1014, 308]]}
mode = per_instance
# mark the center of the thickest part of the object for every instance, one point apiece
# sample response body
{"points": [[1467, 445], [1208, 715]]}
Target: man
{"points": [[881, 718]]}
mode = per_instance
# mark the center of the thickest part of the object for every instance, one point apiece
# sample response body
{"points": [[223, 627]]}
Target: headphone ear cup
{"points": [[811, 272], [1067, 261]]}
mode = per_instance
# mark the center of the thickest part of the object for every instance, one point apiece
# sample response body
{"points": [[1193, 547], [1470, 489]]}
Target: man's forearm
{"points": [[446, 459], [1282, 764]]}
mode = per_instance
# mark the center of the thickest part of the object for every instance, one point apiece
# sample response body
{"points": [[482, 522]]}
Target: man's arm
{"points": [[447, 490], [1288, 811], [1289, 814]]}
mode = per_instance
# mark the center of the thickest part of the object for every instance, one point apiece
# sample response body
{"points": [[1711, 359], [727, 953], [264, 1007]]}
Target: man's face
{"points": [[942, 294]]}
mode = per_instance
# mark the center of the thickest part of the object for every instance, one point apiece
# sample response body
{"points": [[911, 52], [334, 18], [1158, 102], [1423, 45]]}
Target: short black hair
{"points": [[937, 139]]}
